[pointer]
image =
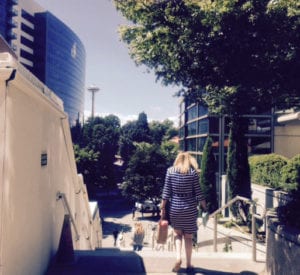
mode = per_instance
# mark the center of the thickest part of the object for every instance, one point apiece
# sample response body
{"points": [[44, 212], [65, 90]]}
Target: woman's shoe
{"points": [[177, 266], [190, 269]]}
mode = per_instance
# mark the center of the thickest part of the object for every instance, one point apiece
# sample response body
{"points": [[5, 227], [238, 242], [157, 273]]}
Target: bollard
{"points": [[215, 233], [253, 228]]}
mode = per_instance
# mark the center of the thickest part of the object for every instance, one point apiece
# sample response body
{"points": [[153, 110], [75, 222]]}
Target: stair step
{"points": [[115, 261]]}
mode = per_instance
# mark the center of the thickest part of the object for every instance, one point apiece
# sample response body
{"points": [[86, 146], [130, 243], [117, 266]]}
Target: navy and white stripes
{"points": [[184, 193]]}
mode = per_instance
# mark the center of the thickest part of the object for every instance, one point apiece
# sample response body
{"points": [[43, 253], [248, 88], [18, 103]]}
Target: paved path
{"points": [[237, 260]]}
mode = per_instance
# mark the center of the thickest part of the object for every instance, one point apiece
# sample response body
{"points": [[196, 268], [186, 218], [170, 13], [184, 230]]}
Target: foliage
{"points": [[86, 161], [277, 171], [184, 42], [170, 150], [235, 56], [162, 131], [267, 170], [144, 177], [208, 177], [291, 174], [238, 171], [126, 140], [95, 145], [134, 131], [288, 214]]}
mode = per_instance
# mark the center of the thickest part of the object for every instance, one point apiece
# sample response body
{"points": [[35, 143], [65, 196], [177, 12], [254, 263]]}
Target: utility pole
{"points": [[93, 89]]}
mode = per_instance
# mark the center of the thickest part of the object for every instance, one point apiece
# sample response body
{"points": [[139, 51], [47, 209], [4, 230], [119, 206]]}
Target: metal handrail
{"points": [[215, 216], [253, 226], [62, 196]]}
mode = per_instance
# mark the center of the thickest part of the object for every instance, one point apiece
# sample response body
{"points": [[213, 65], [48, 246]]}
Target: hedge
{"points": [[266, 170]]}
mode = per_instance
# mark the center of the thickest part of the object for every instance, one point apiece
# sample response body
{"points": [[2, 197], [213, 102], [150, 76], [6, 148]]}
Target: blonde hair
{"points": [[139, 228], [184, 162]]}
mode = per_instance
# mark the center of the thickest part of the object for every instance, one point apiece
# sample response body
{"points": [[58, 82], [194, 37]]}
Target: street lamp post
{"points": [[93, 89]]}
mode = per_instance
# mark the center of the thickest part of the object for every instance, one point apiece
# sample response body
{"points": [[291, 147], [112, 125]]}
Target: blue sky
{"points": [[125, 89]]}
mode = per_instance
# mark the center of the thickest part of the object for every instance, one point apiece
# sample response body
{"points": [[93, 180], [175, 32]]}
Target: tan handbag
{"points": [[162, 232]]}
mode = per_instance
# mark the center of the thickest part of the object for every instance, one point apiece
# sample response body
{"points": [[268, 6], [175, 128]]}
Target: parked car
{"points": [[147, 206]]}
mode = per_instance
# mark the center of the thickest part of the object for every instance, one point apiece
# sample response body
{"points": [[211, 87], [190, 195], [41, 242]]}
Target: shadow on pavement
{"points": [[104, 261], [202, 271]]}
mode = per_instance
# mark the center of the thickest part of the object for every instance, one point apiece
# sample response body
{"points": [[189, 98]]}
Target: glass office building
{"points": [[59, 62], [49, 49], [196, 124]]}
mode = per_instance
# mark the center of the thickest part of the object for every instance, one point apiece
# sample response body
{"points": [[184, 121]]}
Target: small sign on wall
{"points": [[44, 159]]}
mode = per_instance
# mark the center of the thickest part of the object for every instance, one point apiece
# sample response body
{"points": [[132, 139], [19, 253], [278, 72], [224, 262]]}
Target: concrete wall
{"points": [[267, 197], [32, 126], [287, 139], [283, 249]]}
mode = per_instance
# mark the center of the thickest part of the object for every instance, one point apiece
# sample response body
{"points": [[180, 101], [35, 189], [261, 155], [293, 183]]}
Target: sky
{"points": [[125, 89]]}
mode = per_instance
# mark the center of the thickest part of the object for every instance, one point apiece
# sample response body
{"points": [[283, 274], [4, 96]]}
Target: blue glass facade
{"points": [[3, 18], [59, 62], [7, 12], [56, 55], [196, 124]]}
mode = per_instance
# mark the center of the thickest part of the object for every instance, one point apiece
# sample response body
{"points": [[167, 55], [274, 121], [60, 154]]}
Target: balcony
{"points": [[13, 12], [12, 23], [11, 35], [13, 2]]}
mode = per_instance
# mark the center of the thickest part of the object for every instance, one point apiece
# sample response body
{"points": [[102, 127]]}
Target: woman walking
{"points": [[182, 189]]}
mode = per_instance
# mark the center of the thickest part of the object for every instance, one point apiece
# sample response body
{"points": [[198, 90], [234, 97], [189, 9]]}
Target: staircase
{"points": [[115, 261]]}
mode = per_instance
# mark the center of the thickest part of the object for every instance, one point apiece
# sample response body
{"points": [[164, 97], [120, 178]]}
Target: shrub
{"points": [[291, 174], [266, 169], [289, 213], [208, 177]]}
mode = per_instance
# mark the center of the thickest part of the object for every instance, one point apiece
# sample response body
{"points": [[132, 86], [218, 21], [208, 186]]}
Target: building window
{"points": [[202, 111], [191, 144], [192, 128], [203, 126], [192, 113], [201, 143]]}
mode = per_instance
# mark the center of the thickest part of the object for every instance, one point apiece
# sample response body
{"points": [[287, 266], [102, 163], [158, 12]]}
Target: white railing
{"points": [[169, 245], [253, 205], [62, 196]]}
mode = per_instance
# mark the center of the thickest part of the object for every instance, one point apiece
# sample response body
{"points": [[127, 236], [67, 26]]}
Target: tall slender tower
{"points": [[93, 89]]}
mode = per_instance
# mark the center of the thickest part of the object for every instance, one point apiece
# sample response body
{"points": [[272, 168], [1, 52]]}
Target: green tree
{"points": [[142, 131], [238, 170], [225, 48], [162, 131], [86, 161], [144, 177], [234, 56], [126, 140], [170, 150], [133, 131], [95, 150], [208, 176]]}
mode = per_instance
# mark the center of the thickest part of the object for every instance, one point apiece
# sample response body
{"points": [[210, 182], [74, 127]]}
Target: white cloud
{"points": [[125, 118]]}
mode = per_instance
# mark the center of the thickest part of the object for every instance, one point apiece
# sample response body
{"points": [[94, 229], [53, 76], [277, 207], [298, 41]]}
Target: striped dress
{"points": [[184, 193]]}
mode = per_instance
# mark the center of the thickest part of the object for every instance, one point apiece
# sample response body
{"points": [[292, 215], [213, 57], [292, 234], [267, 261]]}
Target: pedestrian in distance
{"points": [[121, 240], [138, 236], [182, 190], [115, 235], [133, 212]]}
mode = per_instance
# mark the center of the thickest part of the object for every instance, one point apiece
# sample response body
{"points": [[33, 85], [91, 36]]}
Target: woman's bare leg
{"points": [[188, 241], [178, 244]]}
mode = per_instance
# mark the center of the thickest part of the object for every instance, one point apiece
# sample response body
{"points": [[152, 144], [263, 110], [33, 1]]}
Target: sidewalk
{"points": [[238, 259], [158, 259]]}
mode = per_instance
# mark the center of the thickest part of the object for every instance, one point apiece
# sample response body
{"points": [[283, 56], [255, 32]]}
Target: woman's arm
{"points": [[163, 209]]}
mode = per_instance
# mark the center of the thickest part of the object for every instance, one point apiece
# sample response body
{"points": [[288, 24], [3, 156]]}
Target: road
{"points": [[116, 214]]}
